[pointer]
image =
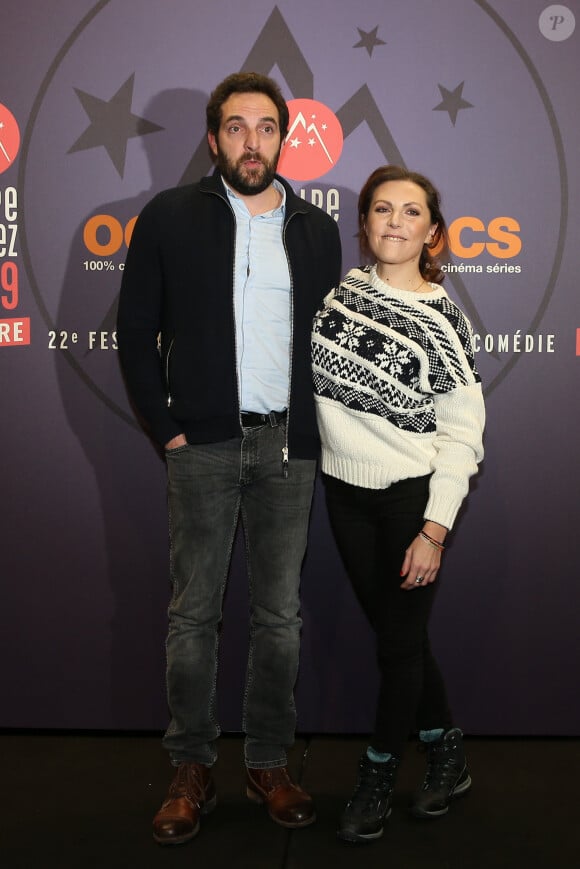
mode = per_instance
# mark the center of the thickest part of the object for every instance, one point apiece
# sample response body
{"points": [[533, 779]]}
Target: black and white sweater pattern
{"points": [[397, 390]]}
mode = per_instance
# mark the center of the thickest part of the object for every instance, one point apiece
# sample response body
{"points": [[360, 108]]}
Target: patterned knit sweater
{"points": [[397, 391]]}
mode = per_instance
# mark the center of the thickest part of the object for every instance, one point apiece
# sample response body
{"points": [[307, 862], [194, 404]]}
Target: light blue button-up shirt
{"points": [[261, 306]]}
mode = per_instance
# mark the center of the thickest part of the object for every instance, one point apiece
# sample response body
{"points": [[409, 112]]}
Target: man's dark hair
{"points": [[245, 83]]}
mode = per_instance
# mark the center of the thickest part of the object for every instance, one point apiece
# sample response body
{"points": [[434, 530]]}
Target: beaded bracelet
{"points": [[434, 543]]}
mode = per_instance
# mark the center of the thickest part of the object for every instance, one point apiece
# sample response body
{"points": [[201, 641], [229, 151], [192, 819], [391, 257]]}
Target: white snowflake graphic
{"points": [[394, 359], [350, 335]]}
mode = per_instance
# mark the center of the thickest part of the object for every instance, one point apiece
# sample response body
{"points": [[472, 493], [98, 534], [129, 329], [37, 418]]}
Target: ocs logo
{"points": [[469, 237], [314, 142]]}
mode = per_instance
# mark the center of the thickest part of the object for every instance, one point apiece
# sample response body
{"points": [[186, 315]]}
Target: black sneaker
{"points": [[370, 804], [447, 776]]}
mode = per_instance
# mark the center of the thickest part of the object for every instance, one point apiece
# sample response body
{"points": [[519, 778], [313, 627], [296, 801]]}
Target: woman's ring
{"points": [[419, 580]]}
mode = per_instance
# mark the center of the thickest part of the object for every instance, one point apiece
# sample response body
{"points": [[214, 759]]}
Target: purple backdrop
{"points": [[109, 103]]}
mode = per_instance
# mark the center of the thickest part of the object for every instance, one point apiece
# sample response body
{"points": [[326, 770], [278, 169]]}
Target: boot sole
{"points": [[205, 809], [355, 838], [460, 791], [259, 800]]}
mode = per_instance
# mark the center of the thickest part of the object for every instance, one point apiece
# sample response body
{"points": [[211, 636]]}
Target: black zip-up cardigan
{"points": [[178, 285]]}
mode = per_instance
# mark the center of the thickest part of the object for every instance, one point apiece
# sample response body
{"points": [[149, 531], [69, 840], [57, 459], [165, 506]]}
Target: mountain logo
{"points": [[9, 138], [314, 142]]}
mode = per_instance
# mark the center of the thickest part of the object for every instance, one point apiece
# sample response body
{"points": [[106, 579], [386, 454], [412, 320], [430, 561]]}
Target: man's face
{"points": [[248, 143]]}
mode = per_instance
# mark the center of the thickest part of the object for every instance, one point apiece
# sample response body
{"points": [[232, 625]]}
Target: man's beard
{"points": [[248, 182]]}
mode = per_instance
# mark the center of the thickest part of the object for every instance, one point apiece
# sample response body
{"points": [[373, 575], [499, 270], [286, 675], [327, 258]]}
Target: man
{"points": [[227, 274]]}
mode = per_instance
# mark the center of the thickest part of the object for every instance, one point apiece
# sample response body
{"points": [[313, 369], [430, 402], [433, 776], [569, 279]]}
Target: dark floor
{"points": [[86, 800]]}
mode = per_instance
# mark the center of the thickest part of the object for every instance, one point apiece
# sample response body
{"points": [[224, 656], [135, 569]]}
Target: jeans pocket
{"points": [[176, 450]]}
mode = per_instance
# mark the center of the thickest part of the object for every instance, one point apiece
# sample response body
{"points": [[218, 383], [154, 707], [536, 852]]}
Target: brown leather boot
{"points": [[191, 794], [286, 802]]}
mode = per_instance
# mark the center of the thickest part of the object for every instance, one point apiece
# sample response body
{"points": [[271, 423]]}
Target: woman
{"points": [[401, 415]]}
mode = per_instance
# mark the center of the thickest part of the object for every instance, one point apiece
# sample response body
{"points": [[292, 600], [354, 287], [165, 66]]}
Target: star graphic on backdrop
{"points": [[368, 40], [112, 124], [452, 102]]}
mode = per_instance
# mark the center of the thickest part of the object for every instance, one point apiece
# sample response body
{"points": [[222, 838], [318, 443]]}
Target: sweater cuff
{"points": [[442, 510]]}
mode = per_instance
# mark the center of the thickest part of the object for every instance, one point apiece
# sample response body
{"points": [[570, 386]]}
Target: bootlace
{"points": [[187, 783], [375, 781], [275, 777], [441, 769]]}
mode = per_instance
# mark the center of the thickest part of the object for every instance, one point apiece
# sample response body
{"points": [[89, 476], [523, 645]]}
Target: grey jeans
{"points": [[209, 487]]}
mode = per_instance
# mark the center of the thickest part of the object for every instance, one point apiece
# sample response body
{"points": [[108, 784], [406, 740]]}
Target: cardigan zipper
{"points": [[285, 454], [169, 398]]}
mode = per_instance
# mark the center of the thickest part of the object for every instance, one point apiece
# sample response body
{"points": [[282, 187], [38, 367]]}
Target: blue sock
{"points": [[431, 735], [377, 756]]}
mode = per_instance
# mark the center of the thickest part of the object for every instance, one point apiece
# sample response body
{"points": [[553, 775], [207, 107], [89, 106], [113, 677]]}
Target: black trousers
{"points": [[372, 529]]}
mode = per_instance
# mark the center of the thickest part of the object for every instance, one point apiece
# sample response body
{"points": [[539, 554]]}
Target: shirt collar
{"points": [[279, 187]]}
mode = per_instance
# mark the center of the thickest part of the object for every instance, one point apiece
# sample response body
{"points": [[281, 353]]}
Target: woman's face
{"points": [[398, 223]]}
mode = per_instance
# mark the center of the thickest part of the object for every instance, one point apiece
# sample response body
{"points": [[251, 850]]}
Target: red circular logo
{"points": [[9, 138], [314, 142]]}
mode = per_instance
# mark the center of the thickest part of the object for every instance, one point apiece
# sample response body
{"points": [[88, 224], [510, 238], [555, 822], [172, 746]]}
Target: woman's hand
{"points": [[423, 558]]}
